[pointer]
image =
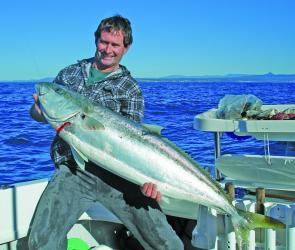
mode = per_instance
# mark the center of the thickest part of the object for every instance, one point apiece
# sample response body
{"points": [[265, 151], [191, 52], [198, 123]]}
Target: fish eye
{"points": [[59, 91]]}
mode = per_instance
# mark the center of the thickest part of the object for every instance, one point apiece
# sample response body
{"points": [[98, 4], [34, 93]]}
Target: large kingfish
{"points": [[137, 153]]}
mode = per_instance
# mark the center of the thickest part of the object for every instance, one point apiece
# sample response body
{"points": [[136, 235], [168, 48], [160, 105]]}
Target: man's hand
{"points": [[37, 107], [150, 190], [36, 112]]}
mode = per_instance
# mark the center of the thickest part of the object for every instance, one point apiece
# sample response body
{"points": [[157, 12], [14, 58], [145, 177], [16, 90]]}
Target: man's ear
{"points": [[126, 49]]}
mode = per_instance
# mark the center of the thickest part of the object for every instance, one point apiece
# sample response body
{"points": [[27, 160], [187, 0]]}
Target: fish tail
{"points": [[261, 221], [245, 221]]}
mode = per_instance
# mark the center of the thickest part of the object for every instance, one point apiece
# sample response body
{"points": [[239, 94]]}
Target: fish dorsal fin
{"points": [[91, 123], [155, 129], [79, 157]]}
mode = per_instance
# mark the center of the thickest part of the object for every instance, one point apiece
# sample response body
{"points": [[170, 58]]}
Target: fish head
{"points": [[56, 102]]}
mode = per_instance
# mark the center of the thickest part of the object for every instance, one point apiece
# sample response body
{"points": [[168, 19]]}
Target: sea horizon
{"points": [[267, 77]]}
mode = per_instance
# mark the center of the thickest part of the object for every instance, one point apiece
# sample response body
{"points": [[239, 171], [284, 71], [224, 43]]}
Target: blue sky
{"points": [[188, 37]]}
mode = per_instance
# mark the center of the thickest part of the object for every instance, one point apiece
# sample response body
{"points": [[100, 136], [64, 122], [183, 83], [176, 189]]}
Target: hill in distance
{"points": [[269, 77]]}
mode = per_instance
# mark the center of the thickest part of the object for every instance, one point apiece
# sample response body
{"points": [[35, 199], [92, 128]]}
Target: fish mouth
{"points": [[42, 89], [62, 118], [40, 94]]}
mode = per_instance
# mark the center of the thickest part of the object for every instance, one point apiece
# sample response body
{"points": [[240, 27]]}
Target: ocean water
{"points": [[25, 143]]}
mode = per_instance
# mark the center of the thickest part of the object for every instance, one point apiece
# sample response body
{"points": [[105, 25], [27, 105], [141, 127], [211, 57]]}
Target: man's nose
{"points": [[108, 48]]}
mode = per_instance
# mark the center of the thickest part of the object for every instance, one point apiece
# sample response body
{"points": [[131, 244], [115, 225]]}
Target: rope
{"points": [[267, 149]]}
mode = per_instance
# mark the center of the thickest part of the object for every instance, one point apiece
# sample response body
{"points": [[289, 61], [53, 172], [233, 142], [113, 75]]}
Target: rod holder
{"points": [[260, 199], [230, 189]]}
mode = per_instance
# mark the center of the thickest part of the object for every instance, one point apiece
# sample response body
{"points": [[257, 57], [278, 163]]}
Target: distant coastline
{"points": [[269, 77]]}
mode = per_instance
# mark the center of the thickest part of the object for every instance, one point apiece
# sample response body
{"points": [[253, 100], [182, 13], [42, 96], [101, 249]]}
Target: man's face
{"points": [[110, 49]]}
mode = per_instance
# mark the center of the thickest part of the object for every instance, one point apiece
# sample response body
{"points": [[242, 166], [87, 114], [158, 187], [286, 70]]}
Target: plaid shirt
{"points": [[118, 91]]}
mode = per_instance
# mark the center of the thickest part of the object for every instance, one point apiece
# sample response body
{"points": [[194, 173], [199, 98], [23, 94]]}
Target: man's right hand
{"points": [[150, 190]]}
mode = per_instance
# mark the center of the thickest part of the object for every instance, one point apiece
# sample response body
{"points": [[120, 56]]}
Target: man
{"points": [[72, 190]]}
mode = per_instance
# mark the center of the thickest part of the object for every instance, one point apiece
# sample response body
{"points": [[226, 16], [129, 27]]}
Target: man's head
{"points": [[113, 38], [115, 23]]}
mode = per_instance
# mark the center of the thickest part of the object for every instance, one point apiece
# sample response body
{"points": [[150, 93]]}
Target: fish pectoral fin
{"points": [[79, 157], [91, 123], [154, 129]]}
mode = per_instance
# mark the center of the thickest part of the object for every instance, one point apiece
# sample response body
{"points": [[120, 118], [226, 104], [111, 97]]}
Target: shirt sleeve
{"points": [[67, 76], [134, 106]]}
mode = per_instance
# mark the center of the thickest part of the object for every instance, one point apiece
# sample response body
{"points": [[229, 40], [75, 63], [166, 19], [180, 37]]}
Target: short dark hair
{"points": [[116, 22]]}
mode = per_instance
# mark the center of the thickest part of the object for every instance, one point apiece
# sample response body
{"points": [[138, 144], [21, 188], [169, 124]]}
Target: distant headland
{"points": [[269, 77]]}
